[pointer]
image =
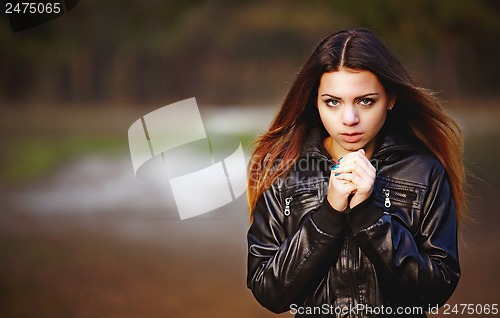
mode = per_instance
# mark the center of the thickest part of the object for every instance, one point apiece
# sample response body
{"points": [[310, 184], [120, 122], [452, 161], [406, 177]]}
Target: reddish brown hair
{"points": [[416, 112]]}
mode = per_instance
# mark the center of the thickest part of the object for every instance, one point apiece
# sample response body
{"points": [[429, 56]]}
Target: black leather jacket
{"points": [[397, 249]]}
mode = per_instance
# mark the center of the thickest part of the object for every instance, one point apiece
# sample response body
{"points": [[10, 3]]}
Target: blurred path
{"points": [[92, 241]]}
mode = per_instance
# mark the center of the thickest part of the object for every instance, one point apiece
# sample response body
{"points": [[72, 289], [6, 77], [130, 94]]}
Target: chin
{"points": [[354, 147]]}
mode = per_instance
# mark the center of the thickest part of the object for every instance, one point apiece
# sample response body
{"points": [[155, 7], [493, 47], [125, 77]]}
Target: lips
{"points": [[351, 137]]}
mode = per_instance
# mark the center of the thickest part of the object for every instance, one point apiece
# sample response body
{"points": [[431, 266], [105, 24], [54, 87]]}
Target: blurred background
{"points": [[80, 236]]}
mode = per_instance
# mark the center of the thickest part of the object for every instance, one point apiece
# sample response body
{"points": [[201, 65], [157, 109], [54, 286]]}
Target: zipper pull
{"points": [[387, 201], [287, 206]]}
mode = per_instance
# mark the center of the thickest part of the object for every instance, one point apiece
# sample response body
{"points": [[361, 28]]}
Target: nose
{"points": [[350, 116]]}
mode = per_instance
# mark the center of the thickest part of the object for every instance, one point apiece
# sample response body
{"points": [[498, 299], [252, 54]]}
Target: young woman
{"points": [[355, 191]]}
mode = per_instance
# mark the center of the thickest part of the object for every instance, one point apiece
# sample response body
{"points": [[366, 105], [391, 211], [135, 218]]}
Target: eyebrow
{"points": [[359, 97]]}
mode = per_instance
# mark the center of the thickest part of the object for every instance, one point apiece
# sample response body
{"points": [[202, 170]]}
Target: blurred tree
{"points": [[228, 52], [455, 42]]}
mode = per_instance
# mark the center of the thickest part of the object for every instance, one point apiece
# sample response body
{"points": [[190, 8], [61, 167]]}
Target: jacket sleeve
{"points": [[417, 270], [283, 265]]}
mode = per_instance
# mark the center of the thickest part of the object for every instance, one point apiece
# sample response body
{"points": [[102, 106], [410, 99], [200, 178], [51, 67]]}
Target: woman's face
{"points": [[353, 106]]}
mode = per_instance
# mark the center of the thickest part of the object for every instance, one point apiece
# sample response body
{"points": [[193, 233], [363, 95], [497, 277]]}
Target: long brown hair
{"points": [[416, 111]]}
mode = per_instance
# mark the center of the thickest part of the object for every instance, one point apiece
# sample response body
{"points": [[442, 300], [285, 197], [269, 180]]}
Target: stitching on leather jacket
{"points": [[305, 192], [388, 192]]}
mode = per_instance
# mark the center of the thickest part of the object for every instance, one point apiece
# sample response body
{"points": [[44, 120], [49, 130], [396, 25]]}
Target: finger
{"points": [[353, 167], [361, 169], [364, 161], [345, 186], [341, 187], [342, 179], [357, 156], [358, 182], [367, 173]]}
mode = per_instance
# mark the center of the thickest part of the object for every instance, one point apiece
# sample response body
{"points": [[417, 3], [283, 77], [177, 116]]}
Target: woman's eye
{"points": [[332, 102], [366, 102]]}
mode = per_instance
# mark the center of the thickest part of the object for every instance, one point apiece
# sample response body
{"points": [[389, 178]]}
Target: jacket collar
{"points": [[313, 145]]}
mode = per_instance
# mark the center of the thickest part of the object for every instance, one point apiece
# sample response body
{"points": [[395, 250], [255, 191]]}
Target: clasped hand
{"points": [[351, 182]]}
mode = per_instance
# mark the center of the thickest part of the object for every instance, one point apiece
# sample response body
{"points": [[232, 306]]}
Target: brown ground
{"points": [[127, 261]]}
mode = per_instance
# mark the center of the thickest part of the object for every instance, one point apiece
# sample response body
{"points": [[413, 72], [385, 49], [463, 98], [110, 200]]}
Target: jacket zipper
{"points": [[387, 200], [287, 206], [397, 195]]}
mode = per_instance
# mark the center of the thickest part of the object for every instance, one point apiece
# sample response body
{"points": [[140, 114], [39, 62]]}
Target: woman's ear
{"points": [[392, 102]]}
